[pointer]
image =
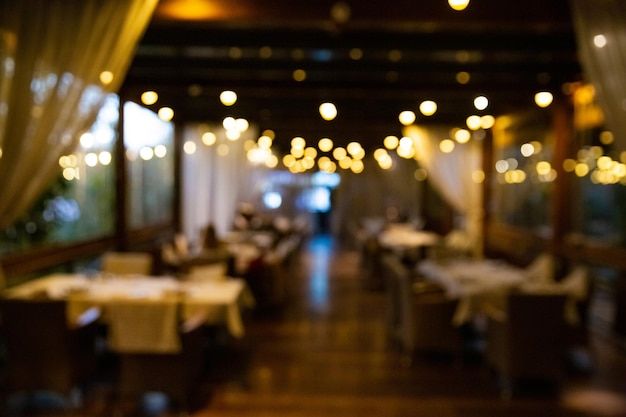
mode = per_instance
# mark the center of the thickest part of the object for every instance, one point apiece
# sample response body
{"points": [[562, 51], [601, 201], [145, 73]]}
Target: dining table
{"points": [[218, 302]]}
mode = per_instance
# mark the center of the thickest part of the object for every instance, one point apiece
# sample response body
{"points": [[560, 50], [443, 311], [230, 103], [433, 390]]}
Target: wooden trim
{"points": [[49, 256], [121, 180]]}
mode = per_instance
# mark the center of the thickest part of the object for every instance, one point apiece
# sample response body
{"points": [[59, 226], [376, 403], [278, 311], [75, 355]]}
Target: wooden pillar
{"points": [[487, 167], [560, 215], [121, 183]]}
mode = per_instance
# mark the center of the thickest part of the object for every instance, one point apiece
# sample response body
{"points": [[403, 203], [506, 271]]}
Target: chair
{"points": [[43, 351], [530, 342], [173, 369], [127, 263], [420, 314]]}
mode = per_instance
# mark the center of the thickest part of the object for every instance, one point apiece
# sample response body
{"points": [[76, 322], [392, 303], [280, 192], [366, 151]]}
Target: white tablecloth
{"points": [[220, 302]]}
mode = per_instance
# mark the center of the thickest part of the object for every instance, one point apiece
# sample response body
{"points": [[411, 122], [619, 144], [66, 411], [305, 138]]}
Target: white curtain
{"points": [[213, 183], [601, 31], [453, 175], [58, 61]]}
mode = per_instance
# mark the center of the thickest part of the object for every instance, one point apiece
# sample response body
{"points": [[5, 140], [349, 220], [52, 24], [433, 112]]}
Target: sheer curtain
{"points": [[453, 176], [214, 182], [601, 31], [58, 61]]}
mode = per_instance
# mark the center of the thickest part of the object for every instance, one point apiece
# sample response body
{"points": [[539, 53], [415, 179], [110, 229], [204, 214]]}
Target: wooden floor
{"points": [[328, 355]]}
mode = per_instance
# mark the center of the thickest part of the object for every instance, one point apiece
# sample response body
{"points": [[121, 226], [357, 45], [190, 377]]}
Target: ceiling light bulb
{"points": [[407, 117], [328, 111], [228, 98], [481, 102], [428, 107], [543, 99], [149, 97], [458, 5], [166, 114]]}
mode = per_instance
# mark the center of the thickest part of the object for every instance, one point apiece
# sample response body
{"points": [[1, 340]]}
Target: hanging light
{"points": [[428, 107], [481, 102], [328, 111], [149, 97], [166, 114], [458, 5], [543, 99], [406, 117], [228, 98]]}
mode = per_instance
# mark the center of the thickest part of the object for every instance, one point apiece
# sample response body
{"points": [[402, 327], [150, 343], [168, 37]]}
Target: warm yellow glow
{"points": [[289, 160], [406, 117], [512, 163], [269, 133], [242, 124], [324, 162], [569, 165], [298, 143], [189, 147], [160, 151], [328, 111], [487, 121], [622, 157], [473, 122], [357, 166], [331, 168], [149, 97], [271, 161], [478, 176], [420, 174], [394, 55], [537, 146], [310, 152], [72, 160], [0, 153], [297, 152], [229, 123], [339, 153], [308, 162], [581, 169], [69, 174], [345, 163], [462, 136], [458, 5], [64, 162], [91, 159], [462, 77], [264, 142], [356, 54], [391, 142], [87, 140], [543, 99], [233, 134], [405, 142], [428, 108], [385, 162], [502, 166], [515, 177], [105, 158], [166, 114], [209, 138], [543, 168], [380, 153], [325, 145], [599, 41], [606, 137], [265, 52], [481, 102], [406, 152], [228, 97], [604, 162], [146, 153], [223, 149], [527, 149], [106, 77], [354, 148], [446, 146], [299, 75], [360, 154]]}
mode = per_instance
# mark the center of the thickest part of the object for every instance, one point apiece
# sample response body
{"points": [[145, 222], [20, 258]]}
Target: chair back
{"points": [[127, 263]]}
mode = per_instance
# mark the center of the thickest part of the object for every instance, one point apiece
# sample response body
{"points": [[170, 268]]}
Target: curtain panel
{"points": [[452, 175], [601, 32], [58, 61]]}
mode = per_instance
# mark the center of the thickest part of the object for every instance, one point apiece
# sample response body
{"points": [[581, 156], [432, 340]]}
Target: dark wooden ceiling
{"points": [[411, 51]]}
